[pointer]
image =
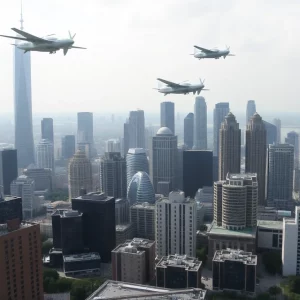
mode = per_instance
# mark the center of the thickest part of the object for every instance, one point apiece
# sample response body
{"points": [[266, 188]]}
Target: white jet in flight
{"points": [[180, 88], [49, 43], [211, 53]]}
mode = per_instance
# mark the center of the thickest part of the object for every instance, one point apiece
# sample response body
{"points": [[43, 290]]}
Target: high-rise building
{"points": [[45, 155], [163, 156], [113, 145], [121, 211], [21, 269], [251, 110], [136, 160], [220, 112], [142, 216], [113, 175], [140, 189], [280, 175], [134, 261], [42, 178], [98, 219], [256, 153], [8, 169], [197, 171], [229, 147], [235, 201], [10, 208], [200, 124], [188, 138], [68, 146], [176, 225], [134, 131], [23, 107], [167, 115], [277, 123], [47, 129], [271, 133], [24, 187], [85, 128], [80, 174]]}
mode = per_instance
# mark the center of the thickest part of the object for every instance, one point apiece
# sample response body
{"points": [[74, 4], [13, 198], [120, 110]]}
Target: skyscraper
{"points": [[256, 153], [277, 123], [47, 129], [80, 174], [271, 133], [167, 115], [220, 112], [163, 160], [293, 139], [8, 169], [23, 108], [280, 175], [45, 155], [229, 147], [136, 160], [113, 175], [189, 130], [251, 110], [134, 131], [68, 146], [85, 132], [200, 124]]}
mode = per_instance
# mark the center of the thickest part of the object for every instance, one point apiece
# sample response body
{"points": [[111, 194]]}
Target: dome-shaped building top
{"points": [[140, 189], [164, 131]]}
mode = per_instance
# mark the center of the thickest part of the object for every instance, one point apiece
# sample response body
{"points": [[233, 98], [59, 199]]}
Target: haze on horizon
{"points": [[131, 43]]}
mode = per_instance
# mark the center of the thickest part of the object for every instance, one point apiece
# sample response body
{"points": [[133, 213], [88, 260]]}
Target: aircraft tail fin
{"points": [[66, 51]]}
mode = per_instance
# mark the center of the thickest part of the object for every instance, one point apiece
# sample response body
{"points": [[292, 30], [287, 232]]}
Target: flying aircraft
{"points": [[49, 43], [211, 53], [180, 88]]}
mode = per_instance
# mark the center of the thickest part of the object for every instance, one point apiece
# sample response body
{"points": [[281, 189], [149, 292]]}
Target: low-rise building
{"points": [[178, 272], [234, 270], [269, 235]]}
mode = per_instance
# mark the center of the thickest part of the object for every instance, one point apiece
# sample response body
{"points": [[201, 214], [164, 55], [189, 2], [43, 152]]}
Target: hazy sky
{"points": [[132, 42]]}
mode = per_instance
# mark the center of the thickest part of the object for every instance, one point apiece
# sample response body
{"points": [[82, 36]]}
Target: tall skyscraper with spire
{"points": [[22, 106], [251, 110]]}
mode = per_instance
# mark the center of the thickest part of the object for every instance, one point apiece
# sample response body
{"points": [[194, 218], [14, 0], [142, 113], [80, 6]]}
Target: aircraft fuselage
{"points": [[216, 55], [182, 90]]}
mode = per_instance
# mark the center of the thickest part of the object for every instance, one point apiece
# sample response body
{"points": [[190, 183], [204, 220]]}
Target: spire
{"points": [[21, 20]]}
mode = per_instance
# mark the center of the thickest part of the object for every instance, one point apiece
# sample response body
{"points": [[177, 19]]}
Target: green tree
{"points": [[64, 284], [46, 247], [294, 284], [203, 227], [201, 254], [263, 296], [275, 290], [272, 262], [50, 273], [80, 289]]}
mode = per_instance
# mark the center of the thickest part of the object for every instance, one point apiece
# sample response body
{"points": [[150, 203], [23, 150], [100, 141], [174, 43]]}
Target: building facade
{"points": [[42, 178], [10, 208], [277, 123], [188, 135], [167, 115], [200, 124], [68, 146], [251, 110], [47, 129], [45, 155], [122, 211], [271, 133]]}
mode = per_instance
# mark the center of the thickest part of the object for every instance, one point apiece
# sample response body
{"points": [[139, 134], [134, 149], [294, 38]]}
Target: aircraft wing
{"points": [[14, 37], [77, 47], [29, 37], [205, 50], [169, 83]]}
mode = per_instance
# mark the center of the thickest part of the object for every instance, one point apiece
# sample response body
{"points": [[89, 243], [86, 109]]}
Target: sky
{"points": [[132, 42]]}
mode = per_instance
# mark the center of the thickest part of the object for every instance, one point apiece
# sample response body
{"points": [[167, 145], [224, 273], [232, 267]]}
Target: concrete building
{"points": [[85, 128], [117, 289], [10, 208], [140, 189], [269, 235], [229, 147], [113, 145], [220, 112], [291, 245], [271, 133], [167, 115], [163, 156], [234, 270], [200, 124], [256, 153], [134, 261], [68, 146], [280, 175], [113, 175], [47, 129], [45, 155], [277, 123], [178, 272], [251, 110], [121, 211], [143, 218], [8, 169], [24, 187], [176, 225], [188, 137], [42, 178], [21, 270], [205, 197], [136, 161], [124, 232], [80, 174]]}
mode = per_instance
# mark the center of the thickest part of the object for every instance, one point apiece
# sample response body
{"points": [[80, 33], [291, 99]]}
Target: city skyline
{"points": [[155, 24]]}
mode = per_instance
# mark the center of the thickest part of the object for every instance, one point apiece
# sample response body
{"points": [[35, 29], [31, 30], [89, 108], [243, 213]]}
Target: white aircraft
{"points": [[180, 88], [49, 43], [211, 53]]}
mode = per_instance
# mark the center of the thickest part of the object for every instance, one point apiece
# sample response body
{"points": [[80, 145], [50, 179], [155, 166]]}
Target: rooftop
{"points": [[164, 131], [245, 233], [247, 176], [237, 255], [133, 245], [81, 257], [9, 198], [136, 151], [145, 205], [181, 261], [270, 224], [121, 290], [122, 227], [4, 229], [95, 196]]}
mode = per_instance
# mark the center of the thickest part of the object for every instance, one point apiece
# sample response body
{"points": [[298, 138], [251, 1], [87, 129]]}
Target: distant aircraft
{"points": [[211, 53], [49, 43], [180, 88]]}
